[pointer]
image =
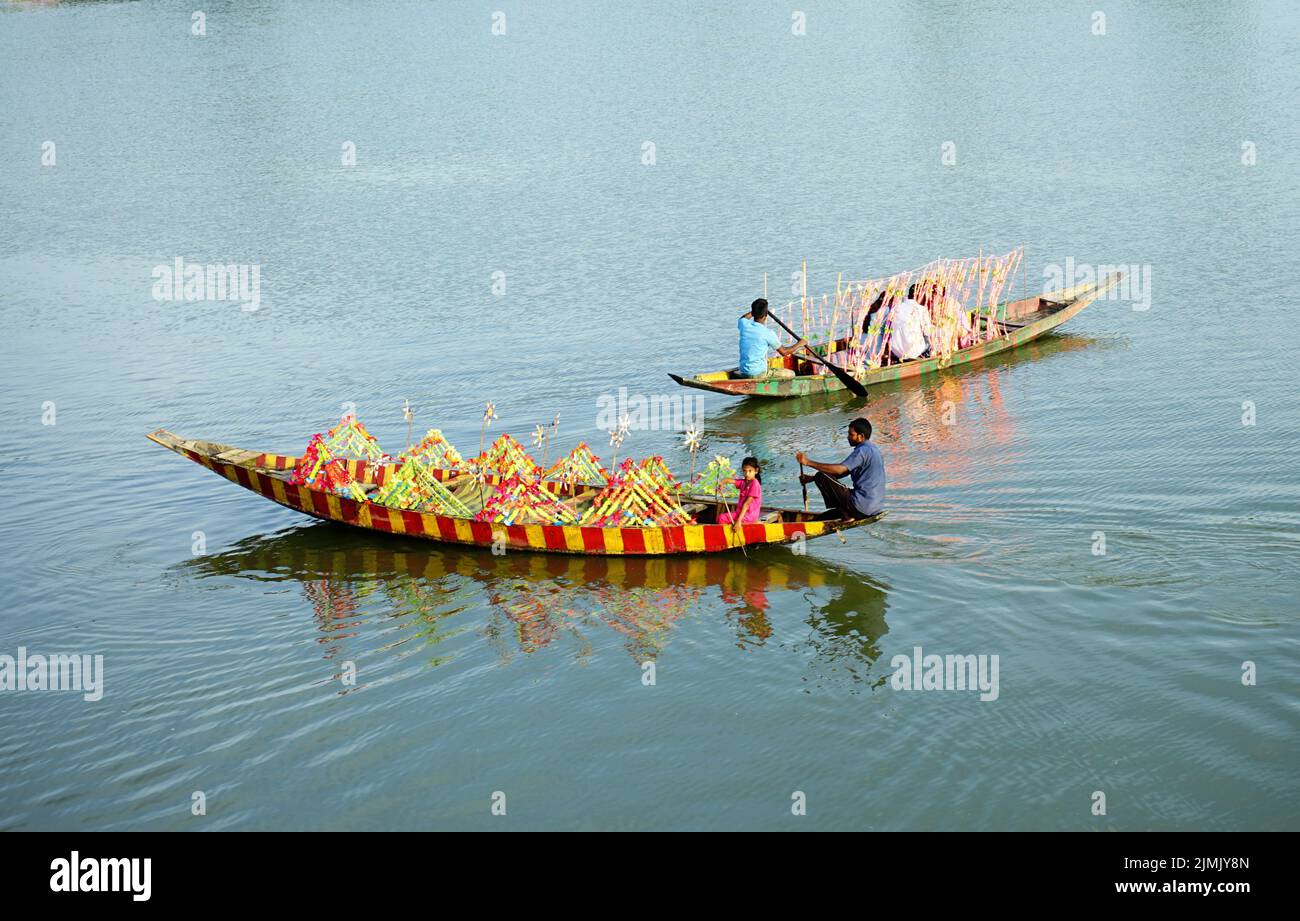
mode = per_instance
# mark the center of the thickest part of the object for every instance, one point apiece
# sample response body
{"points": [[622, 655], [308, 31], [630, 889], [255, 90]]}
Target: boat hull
{"points": [[252, 471], [1072, 301]]}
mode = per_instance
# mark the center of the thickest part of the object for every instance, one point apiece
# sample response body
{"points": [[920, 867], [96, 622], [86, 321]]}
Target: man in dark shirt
{"points": [[867, 468]]}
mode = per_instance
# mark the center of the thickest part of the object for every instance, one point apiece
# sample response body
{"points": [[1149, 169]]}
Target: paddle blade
{"points": [[854, 385], [848, 380]]}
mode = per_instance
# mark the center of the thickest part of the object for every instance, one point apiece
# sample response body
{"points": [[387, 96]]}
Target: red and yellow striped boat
{"points": [[268, 475]]}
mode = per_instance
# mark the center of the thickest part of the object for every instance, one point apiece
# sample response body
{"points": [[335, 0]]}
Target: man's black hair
{"points": [[759, 308], [911, 292], [861, 426]]}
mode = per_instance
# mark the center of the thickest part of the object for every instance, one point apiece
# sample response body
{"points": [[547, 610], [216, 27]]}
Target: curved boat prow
{"points": [[227, 454], [1090, 290]]}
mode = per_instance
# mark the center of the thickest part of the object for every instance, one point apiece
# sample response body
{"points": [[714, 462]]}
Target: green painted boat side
{"points": [[1062, 305]]}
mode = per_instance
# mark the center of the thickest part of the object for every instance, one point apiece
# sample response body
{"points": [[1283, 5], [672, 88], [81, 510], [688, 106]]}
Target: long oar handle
{"points": [[808, 350], [848, 380]]}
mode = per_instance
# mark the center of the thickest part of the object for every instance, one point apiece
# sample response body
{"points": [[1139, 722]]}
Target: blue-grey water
{"points": [[1169, 433]]}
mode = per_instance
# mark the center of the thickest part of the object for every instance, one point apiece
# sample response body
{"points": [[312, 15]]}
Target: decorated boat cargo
{"points": [[473, 505]]}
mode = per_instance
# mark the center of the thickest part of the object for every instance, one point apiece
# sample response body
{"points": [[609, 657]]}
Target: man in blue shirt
{"points": [[755, 341], [867, 468]]}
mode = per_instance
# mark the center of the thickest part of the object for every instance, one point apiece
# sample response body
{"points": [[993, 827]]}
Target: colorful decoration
{"points": [[957, 292], [350, 438], [718, 479], [321, 470], [524, 501], [692, 440], [579, 466], [416, 488], [616, 437], [654, 471], [480, 476], [633, 499], [547, 437], [434, 451], [507, 458]]}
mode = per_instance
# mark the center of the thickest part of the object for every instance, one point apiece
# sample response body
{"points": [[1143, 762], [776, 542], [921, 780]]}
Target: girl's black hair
{"points": [[753, 462], [874, 306]]}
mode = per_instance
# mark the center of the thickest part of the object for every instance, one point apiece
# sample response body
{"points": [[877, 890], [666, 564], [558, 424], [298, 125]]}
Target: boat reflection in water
{"points": [[947, 431], [535, 598]]}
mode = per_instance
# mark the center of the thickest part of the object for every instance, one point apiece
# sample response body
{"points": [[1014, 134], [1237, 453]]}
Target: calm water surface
{"points": [[522, 154]]}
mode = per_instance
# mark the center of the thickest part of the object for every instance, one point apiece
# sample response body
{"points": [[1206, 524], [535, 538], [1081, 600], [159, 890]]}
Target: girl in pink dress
{"points": [[750, 499]]}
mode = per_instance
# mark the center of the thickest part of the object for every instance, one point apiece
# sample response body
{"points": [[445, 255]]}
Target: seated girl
{"points": [[751, 495]]}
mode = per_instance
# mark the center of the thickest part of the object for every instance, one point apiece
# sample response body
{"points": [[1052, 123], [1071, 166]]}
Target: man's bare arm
{"points": [[835, 470]]}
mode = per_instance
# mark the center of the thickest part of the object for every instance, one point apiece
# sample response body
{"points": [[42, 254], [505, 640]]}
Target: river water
{"points": [[1113, 512]]}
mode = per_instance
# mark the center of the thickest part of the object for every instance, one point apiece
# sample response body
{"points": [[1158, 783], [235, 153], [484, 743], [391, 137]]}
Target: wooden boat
{"points": [[1023, 321], [268, 475]]}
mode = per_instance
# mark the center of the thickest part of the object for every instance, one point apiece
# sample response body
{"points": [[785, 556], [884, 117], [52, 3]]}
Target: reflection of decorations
{"points": [[645, 615], [532, 610], [331, 601], [542, 610], [635, 498], [521, 501]]}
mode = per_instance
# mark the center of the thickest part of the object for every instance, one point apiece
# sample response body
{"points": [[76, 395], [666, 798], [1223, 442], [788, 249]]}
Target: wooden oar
{"points": [[805, 489], [735, 524], [847, 379]]}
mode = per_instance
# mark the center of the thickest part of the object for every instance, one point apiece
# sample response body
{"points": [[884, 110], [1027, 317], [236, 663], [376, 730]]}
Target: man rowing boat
{"points": [[755, 341], [864, 464]]}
